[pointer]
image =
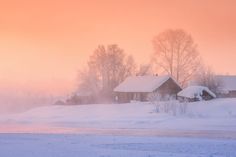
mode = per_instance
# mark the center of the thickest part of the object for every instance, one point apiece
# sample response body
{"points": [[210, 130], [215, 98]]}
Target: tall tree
{"points": [[176, 53], [107, 66]]}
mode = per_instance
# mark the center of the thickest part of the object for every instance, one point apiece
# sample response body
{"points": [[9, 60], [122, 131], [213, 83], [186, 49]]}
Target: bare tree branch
{"points": [[176, 53]]}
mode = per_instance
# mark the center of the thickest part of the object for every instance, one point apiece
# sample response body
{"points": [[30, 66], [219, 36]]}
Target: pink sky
{"points": [[43, 43]]}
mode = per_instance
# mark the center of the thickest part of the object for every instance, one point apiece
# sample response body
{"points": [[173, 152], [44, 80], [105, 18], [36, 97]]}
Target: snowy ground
{"points": [[36, 145], [208, 129], [215, 115]]}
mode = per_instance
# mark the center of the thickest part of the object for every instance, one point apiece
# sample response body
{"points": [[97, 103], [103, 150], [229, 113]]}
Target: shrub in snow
{"points": [[174, 107], [170, 106], [154, 98], [183, 107]]}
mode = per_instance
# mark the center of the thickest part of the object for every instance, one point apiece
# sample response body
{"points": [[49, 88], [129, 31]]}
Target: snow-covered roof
{"points": [[195, 91], [228, 82], [142, 83]]}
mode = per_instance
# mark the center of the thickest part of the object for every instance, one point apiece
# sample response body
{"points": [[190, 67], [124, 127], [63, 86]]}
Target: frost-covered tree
{"points": [[206, 77], [144, 69], [88, 81], [107, 67], [176, 53]]}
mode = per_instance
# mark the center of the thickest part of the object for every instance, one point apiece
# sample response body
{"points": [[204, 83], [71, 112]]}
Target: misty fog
{"points": [[19, 100]]}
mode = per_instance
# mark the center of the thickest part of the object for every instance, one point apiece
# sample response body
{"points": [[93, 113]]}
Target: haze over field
{"points": [[109, 78], [44, 43]]}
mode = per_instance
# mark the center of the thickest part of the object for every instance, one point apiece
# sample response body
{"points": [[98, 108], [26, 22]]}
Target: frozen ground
{"points": [[208, 129], [216, 115], [59, 145]]}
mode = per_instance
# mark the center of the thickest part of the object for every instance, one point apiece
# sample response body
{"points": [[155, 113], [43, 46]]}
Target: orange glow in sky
{"points": [[44, 42]]}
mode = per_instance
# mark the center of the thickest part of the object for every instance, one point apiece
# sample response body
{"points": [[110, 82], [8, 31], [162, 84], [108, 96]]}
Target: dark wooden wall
{"points": [[169, 88]]}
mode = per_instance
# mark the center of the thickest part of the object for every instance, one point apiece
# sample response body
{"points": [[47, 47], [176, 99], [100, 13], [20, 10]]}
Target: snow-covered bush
{"points": [[173, 107], [154, 98], [183, 107], [169, 106]]}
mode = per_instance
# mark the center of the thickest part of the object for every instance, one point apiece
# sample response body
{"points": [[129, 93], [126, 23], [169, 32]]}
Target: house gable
{"points": [[169, 88]]}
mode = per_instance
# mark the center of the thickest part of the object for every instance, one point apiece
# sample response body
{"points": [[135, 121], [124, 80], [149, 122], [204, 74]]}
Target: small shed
{"points": [[195, 93], [139, 88]]}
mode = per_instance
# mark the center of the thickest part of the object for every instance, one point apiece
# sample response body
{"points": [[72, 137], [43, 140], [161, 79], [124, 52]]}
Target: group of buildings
{"points": [[142, 88], [152, 88]]}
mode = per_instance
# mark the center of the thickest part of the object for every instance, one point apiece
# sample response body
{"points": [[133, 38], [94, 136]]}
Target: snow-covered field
{"points": [[37, 145], [215, 115], [208, 129]]}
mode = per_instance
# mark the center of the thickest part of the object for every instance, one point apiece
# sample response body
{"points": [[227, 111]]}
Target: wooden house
{"points": [[139, 88]]}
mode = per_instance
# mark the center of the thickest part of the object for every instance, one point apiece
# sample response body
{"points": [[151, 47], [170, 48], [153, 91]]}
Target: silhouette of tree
{"points": [[176, 53]]}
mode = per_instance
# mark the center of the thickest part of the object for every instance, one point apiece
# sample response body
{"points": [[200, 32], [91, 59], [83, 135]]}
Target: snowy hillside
{"points": [[218, 114], [135, 129]]}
